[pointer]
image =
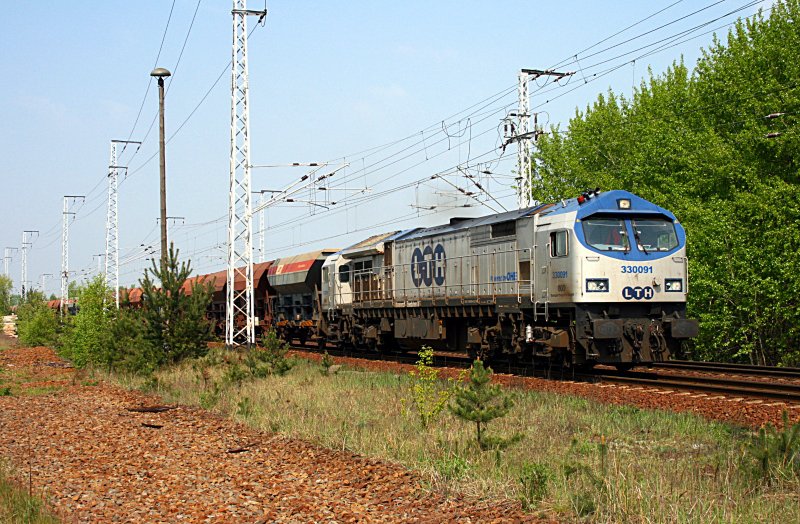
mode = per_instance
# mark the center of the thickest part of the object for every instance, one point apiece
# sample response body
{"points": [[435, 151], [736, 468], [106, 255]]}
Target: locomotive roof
{"points": [[606, 203], [602, 203], [459, 224]]}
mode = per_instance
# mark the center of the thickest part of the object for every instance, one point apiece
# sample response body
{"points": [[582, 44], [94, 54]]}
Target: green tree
{"points": [[481, 402], [36, 323], [6, 284], [696, 143], [174, 322], [89, 338]]}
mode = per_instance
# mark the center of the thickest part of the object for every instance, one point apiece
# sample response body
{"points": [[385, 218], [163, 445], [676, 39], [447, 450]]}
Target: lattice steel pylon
{"points": [[524, 136], [7, 260], [66, 213], [112, 221], [24, 261], [112, 227], [240, 313], [523, 144]]}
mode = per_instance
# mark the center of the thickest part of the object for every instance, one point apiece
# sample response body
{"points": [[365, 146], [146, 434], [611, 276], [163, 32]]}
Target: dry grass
{"points": [[600, 463]]}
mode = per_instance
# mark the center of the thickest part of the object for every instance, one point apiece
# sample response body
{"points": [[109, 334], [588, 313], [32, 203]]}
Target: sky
{"points": [[402, 101]]}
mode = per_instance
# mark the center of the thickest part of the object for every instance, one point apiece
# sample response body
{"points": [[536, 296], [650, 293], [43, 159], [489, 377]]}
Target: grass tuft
{"points": [[17, 506]]}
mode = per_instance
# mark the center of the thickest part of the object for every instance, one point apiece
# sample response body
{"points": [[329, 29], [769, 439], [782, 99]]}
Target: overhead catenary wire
{"points": [[383, 163]]}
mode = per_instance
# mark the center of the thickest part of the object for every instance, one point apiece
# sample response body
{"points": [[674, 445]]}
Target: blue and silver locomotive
{"points": [[601, 278]]}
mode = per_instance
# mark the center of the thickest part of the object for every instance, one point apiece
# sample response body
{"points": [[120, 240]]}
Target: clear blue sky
{"points": [[329, 81]]}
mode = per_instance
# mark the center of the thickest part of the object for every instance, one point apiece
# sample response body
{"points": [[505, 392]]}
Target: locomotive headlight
{"points": [[596, 285], [624, 203], [673, 284]]}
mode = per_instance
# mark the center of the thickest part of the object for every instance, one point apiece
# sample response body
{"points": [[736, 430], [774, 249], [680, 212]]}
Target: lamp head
{"points": [[160, 72]]}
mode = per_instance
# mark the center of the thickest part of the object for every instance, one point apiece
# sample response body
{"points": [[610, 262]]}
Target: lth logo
{"points": [[638, 293], [427, 266]]}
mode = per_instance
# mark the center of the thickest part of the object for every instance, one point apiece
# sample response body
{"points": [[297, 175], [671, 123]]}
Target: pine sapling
{"points": [[480, 402]]}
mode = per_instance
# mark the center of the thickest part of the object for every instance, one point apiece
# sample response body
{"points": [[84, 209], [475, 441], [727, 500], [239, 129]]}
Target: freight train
{"points": [[601, 278]]}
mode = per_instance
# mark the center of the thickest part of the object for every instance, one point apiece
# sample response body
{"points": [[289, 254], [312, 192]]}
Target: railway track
{"points": [[787, 392], [737, 369], [689, 381]]}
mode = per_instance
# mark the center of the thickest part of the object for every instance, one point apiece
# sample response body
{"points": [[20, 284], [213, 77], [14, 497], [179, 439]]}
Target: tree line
{"points": [[717, 145]]}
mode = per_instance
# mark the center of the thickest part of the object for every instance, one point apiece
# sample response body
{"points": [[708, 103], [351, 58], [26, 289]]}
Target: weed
{"points": [[428, 396], [150, 384], [776, 453], [17, 505], [209, 398], [327, 362], [603, 448], [534, 478], [451, 466], [583, 503], [245, 408], [5, 391]]}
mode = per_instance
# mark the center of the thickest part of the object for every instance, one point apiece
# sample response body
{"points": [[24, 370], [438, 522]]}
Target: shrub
{"points": [[36, 323], [131, 351], [5, 294], [272, 360], [89, 338]]}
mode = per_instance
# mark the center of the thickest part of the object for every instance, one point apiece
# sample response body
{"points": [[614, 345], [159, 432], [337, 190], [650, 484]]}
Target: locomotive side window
{"points": [[607, 234], [558, 244], [655, 234], [344, 274]]}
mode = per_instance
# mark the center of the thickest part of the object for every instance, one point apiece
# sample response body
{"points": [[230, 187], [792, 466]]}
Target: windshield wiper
{"points": [[639, 241]]}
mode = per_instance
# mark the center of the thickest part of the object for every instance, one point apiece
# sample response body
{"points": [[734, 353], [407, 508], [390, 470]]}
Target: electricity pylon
{"points": [[240, 232], [66, 213]]}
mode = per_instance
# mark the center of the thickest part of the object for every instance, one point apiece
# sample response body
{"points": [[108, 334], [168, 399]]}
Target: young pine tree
{"points": [[480, 402], [175, 324]]}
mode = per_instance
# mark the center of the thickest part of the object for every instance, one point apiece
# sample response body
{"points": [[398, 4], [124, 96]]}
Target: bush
{"points": [[271, 360], [131, 351], [36, 323], [89, 339], [5, 294], [326, 362]]}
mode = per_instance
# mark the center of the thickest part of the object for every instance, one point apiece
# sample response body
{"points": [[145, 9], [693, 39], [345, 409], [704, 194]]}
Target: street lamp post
{"points": [[162, 73]]}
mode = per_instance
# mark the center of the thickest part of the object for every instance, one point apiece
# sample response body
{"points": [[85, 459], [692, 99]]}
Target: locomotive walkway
{"points": [[99, 453]]}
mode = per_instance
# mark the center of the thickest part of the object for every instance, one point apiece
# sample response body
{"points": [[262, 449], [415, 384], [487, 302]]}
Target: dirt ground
{"points": [[78, 444]]}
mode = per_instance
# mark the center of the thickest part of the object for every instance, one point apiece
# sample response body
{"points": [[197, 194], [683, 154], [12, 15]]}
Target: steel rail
{"points": [[742, 369]]}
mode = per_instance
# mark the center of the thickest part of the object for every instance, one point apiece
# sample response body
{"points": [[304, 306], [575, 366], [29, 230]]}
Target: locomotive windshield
{"points": [[655, 234], [607, 234]]}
